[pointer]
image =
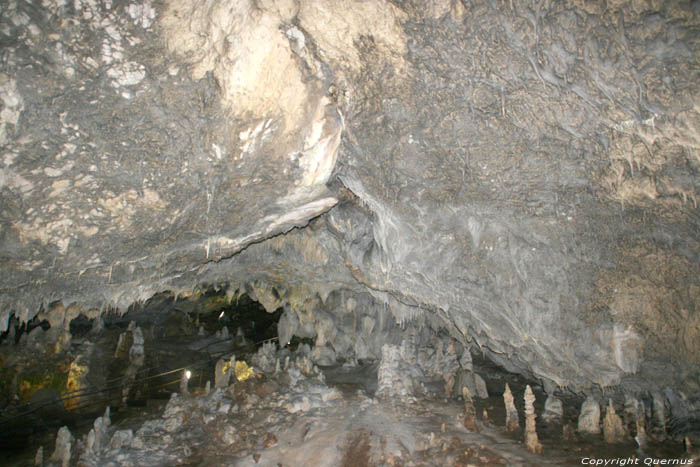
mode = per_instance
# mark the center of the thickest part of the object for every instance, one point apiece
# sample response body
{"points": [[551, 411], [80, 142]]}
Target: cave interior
{"points": [[349, 232]]}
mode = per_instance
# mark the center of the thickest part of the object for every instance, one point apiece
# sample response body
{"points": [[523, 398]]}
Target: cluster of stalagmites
{"points": [[404, 369], [96, 441], [614, 427]]}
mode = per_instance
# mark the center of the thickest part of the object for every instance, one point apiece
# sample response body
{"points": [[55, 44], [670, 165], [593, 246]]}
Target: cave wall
{"points": [[525, 173]]}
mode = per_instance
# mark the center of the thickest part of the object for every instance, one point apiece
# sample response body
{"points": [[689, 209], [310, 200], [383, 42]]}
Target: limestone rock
{"points": [[512, 421], [532, 442], [589, 418], [613, 430]]}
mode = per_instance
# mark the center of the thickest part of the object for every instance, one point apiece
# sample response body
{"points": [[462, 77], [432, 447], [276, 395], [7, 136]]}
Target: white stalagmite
{"points": [[64, 441]]}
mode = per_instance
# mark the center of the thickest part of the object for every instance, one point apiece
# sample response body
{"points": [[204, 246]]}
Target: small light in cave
{"points": [[188, 374], [221, 315]]}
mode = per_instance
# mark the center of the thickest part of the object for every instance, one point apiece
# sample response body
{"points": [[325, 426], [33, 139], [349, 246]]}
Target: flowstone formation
{"points": [[520, 178]]}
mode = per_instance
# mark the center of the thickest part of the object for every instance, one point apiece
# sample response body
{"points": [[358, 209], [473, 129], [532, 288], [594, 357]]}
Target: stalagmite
{"points": [[553, 410], [469, 410], [222, 374], [634, 409], [589, 419], [184, 382], [512, 421], [531, 440], [97, 437], [137, 357], [64, 441], [613, 430]]}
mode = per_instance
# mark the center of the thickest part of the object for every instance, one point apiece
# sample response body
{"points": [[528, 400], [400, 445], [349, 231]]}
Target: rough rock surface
{"points": [[525, 173]]}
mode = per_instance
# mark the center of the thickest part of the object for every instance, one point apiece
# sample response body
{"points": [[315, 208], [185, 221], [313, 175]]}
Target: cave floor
{"points": [[300, 417]]}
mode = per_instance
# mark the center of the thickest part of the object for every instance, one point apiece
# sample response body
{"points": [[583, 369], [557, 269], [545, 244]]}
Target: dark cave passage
{"points": [[130, 362]]}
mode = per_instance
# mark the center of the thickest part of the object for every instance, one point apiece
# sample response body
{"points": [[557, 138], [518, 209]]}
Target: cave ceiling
{"points": [[526, 172]]}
